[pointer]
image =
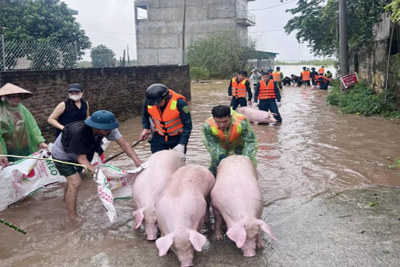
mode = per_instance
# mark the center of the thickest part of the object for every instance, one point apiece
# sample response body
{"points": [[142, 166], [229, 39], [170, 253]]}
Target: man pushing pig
{"points": [[268, 93], [226, 133]]}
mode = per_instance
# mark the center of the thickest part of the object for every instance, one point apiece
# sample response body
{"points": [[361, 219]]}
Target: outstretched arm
{"points": [[129, 150]]}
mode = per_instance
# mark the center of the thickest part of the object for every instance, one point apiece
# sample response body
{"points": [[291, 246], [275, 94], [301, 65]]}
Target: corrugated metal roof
{"points": [[262, 55]]}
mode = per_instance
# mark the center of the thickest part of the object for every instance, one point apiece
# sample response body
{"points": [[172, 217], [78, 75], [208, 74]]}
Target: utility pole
{"points": [[343, 41], [183, 32]]}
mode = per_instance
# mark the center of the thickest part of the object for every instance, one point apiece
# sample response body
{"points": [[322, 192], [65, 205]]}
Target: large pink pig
{"points": [[181, 210], [148, 187], [257, 116], [237, 198]]}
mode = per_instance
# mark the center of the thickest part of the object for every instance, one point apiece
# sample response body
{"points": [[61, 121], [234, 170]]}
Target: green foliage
{"points": [[43, 21], [316, 23], [362, 99], [102, 57], [221, 55], [394, 9], [396, 164], [199, 73]]}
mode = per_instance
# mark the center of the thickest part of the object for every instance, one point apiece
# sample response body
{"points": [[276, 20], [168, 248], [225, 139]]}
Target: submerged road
{"points": [[329, 196]]}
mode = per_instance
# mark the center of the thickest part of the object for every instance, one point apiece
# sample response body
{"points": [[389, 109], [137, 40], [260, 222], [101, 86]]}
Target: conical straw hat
{"points": [[10, 89]]}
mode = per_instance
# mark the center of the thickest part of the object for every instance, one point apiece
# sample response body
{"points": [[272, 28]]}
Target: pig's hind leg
{"points": [[259, 241], [218, 224]]}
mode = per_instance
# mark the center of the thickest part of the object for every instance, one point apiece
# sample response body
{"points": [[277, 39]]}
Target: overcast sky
{"points": [[112, 23]]}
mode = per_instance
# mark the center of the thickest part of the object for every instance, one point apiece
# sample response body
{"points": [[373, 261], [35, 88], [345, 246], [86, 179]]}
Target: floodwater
{"points": [[319, 172], [287, 70]]}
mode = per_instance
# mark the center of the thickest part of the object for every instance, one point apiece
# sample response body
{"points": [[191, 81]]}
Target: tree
{"points": [[316, 23], [102, 56], [394, 8], [49, 21], [221, 55]]}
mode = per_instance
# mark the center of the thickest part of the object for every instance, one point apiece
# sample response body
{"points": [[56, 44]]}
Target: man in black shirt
{"points": [[77, 143]]}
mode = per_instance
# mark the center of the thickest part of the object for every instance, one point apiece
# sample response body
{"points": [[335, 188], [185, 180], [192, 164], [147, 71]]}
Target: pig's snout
{"points": [[249, 254], [151, 237]]}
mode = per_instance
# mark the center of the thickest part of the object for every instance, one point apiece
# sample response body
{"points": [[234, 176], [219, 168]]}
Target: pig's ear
{"points": [[164, 243], [237, 233], [266, 228], [138, 216], [198, 240]]}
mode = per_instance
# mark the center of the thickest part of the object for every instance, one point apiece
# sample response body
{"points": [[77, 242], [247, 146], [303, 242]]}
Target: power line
{"points": [[270, 7], [257, 9]]}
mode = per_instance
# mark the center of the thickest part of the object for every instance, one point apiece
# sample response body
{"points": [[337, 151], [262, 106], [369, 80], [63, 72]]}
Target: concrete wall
{"points": [[370, 63], [120, 90], [159, 37]]}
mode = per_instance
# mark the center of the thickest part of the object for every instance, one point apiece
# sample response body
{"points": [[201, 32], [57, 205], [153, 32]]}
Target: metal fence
{"points": [[36, 55]]}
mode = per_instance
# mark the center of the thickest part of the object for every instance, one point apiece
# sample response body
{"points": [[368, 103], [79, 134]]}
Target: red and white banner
{"points": [[349, 80]]}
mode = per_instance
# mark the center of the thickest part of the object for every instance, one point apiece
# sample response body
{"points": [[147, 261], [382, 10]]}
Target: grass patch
{"points": [[199, 73], [362, 99]]}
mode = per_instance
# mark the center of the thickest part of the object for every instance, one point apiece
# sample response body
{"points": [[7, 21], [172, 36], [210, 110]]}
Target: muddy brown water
{"points": [[319, 172]]}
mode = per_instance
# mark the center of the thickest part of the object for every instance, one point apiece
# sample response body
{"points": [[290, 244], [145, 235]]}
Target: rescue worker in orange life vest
{"points": [[278, 77], [321, 71], [323, 82], [228, 133], [238, 88], [268, 93], [305, 76], [170, 115]]}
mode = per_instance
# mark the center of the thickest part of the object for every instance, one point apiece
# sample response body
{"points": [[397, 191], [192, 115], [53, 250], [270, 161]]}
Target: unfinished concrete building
{"points": [[165, 28]]}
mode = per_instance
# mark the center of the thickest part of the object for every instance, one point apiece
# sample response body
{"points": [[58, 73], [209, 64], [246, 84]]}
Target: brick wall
{"points": [[120, 90]]}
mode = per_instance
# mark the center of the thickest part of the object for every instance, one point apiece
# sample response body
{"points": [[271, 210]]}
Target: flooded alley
{"points": [[329, 196]]}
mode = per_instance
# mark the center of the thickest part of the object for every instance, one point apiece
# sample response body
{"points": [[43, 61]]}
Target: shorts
{"points": [[67, 169]]}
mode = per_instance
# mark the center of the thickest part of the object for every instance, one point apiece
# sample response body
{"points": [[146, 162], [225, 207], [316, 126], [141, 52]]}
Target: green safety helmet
{"points": [[102, 120]]}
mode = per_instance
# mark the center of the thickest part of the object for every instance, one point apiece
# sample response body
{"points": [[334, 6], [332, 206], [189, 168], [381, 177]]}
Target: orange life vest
{"points": [[305, 75], [267, 91], [167, 123], [321, 78], [321, 71], [277, 76], [239, 90], [234, 132]]}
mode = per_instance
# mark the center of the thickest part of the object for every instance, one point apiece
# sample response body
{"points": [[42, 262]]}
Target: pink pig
{"points": [[237, 198], [257, 116], [181, 210], [148, 187]]}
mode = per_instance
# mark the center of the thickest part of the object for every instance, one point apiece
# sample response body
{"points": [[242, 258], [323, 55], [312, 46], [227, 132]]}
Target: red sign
{"points": [[349, 80]]}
